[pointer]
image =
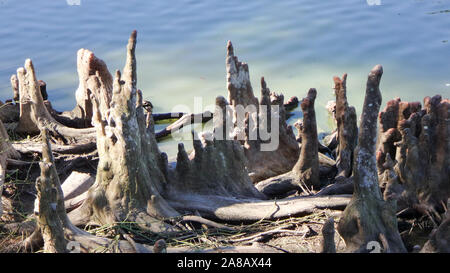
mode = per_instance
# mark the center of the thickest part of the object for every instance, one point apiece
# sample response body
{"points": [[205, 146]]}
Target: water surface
{"points": [[294, 44]]}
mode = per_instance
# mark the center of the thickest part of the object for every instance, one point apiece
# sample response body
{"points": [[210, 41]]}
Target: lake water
{"points": [[181, 51]]}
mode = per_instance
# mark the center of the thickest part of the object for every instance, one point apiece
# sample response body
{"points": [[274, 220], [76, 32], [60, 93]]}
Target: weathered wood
{"points": [[280, 185], [15, 87], [94, 80], [164, 116]]}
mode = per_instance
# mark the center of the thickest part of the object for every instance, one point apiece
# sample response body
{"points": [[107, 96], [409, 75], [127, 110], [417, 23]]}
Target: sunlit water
{"points": [[294, 44]]}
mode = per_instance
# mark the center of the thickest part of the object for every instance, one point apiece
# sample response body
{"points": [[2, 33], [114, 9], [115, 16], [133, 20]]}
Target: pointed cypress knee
{"points": [[347, 129], [307, 167], [368, 217]]}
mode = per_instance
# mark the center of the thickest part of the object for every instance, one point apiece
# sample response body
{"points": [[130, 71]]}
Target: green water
{"points": [[295, 45]]}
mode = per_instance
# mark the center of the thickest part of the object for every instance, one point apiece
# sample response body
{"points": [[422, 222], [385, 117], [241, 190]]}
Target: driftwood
{"points": [[368, 217], [164, 116], [25, 147], [278, 186], [184, 119]]}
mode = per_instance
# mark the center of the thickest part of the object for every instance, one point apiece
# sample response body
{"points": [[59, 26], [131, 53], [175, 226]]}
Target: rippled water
{"points": [[295, 45]]}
